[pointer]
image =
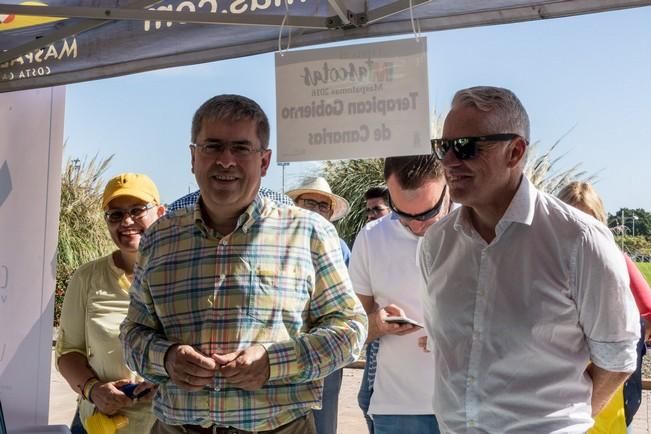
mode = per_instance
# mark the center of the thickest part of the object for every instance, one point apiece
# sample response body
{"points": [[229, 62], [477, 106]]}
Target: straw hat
{"points": [[319, 185]]}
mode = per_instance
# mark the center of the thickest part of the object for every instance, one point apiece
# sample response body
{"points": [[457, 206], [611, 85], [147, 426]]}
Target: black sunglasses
{"points": [[423, 216], [466, 148]]}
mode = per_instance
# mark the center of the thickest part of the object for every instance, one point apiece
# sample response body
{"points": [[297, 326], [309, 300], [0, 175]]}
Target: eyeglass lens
{"points": [[375, 210], [313, 205], [237, 149], [117, 215]]}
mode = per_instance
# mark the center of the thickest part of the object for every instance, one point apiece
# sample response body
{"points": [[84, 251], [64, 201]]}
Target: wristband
{"points": [[81, 387], [88, 387]]}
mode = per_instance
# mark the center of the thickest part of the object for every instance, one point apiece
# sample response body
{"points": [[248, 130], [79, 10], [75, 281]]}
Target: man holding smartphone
{"points": [[386, 278]]}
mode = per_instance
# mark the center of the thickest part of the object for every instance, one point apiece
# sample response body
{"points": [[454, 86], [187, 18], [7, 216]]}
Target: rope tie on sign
{"points": [[289, 33], [415, 23]]}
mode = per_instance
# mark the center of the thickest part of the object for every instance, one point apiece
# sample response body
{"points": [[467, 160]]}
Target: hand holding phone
{"points": [[401, 320], [128, 389]]}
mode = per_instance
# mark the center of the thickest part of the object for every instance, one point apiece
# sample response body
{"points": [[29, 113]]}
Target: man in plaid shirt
{"points": [[239, 307]]}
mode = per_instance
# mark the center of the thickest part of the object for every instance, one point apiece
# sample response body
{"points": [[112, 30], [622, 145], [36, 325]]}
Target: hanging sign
{"points": [[358, 101]]}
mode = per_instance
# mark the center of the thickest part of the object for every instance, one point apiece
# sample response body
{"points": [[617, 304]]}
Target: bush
{"points": [[82, 230]]}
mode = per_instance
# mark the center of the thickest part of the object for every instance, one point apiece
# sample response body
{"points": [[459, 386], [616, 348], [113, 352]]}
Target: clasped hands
{"points": [[246, 369]]}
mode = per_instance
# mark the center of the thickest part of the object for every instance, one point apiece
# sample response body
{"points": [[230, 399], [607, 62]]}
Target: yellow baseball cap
{"points": [[131, 184]]}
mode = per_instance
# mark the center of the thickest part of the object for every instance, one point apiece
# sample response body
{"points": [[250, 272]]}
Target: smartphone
{"points": [[402, 320], [128, 390]]}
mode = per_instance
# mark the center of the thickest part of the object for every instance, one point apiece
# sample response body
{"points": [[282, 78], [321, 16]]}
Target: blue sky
{"points": [[589, 74]]}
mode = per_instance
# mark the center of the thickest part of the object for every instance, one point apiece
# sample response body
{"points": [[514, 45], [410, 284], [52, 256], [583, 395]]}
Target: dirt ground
{"points": [[351, 421]]}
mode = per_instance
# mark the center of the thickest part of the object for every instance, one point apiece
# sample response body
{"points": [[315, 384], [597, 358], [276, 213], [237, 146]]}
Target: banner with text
{"points": [[31, 147], [360, 101]]}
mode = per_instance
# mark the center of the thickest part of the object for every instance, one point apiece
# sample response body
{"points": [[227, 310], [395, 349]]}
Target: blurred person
{"points": [[377, 202], [315, 194], [617, 416], [239, 308], [88, 351], [523, 290], [377, 206], [385, 275]]}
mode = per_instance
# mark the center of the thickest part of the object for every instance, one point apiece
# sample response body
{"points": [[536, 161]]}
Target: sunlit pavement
{"points": [[62, 404]]}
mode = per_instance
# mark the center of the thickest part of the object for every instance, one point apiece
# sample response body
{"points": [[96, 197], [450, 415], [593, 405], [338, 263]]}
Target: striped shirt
{"points": [[190, 199], [277, 280]]}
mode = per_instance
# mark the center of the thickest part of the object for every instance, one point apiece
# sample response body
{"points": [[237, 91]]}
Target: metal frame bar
{"points": [[341, 9], [172, 16], [392, 9]]}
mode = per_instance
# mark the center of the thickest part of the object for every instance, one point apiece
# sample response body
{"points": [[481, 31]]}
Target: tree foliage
{"points": [[639, 218], [541, 170], [350, 179], [82, 231]]}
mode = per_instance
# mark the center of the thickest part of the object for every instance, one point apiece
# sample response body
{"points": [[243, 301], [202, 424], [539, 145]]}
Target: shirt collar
{"points": [[250, 215], [520, 210]]}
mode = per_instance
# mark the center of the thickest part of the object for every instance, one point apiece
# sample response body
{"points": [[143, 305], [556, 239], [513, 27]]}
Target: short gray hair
{"points": [[506, 113], [232, 108]]}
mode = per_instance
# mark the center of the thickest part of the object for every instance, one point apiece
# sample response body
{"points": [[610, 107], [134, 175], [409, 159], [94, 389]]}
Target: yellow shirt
{"points": [[96, 302]]}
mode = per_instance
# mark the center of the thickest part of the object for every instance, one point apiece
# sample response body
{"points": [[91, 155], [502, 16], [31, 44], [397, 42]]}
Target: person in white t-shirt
{"points": [[523, 291], [385, 276]]}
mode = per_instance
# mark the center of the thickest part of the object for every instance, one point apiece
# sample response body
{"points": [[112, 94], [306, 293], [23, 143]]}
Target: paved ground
{"points": [[62, 402], [62, 405]]}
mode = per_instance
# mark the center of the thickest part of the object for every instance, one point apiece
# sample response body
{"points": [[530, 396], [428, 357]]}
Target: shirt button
{"points": [[216, 389], [470, 381], [223, 242], [222, 277], [471, 423], [476, 335]]}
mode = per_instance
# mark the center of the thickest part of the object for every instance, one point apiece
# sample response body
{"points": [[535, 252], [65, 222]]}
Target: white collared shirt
{"points": [[514, 323], [383, 265]]}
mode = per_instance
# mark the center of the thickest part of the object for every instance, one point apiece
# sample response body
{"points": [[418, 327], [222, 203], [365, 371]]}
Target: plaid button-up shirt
{"points": [[277, 280], [190, 199]]}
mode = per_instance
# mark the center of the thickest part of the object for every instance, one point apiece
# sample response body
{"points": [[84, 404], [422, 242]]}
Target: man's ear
{"points": [[265, 161], [517, 152], [192, 160]]}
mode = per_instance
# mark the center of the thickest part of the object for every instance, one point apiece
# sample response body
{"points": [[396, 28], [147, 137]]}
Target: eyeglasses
{"points": [[314, 205], [239, 150], [135, 212], [376, 210], [423, 216], [466, 148]]}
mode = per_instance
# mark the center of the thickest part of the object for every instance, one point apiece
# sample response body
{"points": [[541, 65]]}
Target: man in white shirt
{"points": [[527, 303], [385, 276]]}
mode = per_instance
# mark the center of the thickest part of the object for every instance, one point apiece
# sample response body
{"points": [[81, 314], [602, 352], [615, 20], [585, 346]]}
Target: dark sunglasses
{"points": [[423, 216], [466, 148], [136, 212]]}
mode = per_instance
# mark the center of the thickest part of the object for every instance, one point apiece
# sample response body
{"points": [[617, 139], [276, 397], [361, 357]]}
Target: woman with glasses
{"points": [[617, 416], [88, 350]]}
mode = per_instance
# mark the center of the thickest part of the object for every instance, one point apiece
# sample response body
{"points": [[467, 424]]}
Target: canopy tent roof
{"points": [[68, 41]]}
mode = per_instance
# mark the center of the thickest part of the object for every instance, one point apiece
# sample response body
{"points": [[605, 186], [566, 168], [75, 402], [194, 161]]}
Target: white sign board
{"points": [[31, 146], [358, 101]]}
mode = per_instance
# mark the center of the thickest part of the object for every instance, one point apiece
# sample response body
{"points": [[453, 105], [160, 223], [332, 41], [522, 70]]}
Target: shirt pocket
{"points": [[279, 298]]}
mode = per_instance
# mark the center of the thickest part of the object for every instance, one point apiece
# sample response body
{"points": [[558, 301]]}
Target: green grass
{"points": [[645, 268]]}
